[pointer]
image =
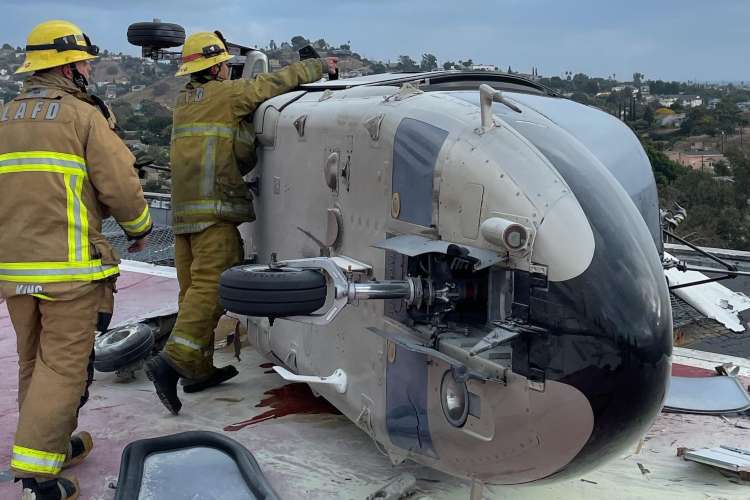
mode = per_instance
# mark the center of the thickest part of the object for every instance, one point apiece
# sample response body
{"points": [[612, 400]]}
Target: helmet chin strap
{"points": [[79, 80]]}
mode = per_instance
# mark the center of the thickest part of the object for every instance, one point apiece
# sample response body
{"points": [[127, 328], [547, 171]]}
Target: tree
{"points": [[122, 110], [321, 44], [727, 116], [429, 62], [160, 89], [741, 170], [665, 170], [447, 65], [378, 68], [112, 71], [272, 46], [406, 63], [648, 116], [580, 97], [637, 78], [721, 168], [299, 41], [7, 46]]}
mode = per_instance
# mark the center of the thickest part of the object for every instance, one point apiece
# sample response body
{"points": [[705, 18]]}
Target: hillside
{"points": [[163, 91]]}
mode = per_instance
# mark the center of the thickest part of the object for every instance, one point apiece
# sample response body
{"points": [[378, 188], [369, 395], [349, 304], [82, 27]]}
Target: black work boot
{"points": [[165, 380], [61, 488], [218, 376], [80, 446]]}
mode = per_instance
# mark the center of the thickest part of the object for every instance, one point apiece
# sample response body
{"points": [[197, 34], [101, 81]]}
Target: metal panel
{"points": [[415, 150], [413, 245], [709, 395], [723, 457], [406, 406]]}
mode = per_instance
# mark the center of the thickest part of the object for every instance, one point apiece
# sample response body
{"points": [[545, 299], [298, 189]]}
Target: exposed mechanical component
{"points": [[671, 218]]}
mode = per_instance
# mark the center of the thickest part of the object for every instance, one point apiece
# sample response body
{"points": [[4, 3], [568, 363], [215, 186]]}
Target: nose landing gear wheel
{"points": [[273, 292]]}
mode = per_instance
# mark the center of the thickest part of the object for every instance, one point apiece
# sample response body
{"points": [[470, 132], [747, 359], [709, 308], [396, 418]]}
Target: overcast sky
{"points": [[665, 39]]}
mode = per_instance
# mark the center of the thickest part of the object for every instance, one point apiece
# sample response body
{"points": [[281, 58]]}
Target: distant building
{"points": [[485, 67], [110, 92], [703, 160], [340, 52], [686, 100], [744, 106], [713, 102], [671, 121], [645, 90], [137, 88]]}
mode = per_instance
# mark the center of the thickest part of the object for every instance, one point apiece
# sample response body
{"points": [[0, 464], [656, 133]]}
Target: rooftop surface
{"points": [[325, 456]]}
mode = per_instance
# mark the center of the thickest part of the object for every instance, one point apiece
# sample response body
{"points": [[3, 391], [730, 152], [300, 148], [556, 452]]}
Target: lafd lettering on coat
{"points": [[47, 109]]}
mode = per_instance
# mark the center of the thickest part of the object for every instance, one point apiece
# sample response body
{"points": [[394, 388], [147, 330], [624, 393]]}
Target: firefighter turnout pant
{"points": [[200, 259], [55, 339]]}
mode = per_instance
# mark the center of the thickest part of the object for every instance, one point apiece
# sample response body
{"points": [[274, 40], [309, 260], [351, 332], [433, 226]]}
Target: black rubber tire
{"points": [[123, 346], [156, 35], [272, 292]]}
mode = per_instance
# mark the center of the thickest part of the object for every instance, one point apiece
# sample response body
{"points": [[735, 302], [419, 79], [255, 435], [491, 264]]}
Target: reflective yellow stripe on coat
{"points": [[139, 224], [36, 461], [79, 266]]}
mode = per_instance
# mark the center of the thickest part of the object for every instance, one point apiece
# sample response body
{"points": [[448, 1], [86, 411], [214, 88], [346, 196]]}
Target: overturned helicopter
{"points": [[465, 264]]}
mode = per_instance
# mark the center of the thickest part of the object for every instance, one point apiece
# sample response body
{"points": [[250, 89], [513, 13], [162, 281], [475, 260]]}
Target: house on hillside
{"points": [[713, 102], [744, 106], [340, 52], [686, 100], [485, 67], [697, 158], [4, 75], [671, 120]]}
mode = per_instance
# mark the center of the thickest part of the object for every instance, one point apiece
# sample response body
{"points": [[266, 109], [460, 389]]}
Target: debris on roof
{"points": [[713, 300], [735, 460], [706, 395]]}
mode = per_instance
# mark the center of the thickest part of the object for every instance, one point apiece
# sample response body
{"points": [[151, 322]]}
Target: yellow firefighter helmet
{"points": [[201, 51], [56, 43]]}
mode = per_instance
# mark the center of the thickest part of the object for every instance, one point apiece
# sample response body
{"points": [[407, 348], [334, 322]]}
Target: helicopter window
{"points": [[415, 152]]}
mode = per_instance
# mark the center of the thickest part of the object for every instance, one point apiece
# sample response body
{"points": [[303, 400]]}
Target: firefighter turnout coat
{"points": [[62, 169], [213, 144]]}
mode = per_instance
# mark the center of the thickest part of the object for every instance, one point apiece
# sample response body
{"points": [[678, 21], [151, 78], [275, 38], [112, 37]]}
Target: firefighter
{"points": [[212, 149], [62, 169]]}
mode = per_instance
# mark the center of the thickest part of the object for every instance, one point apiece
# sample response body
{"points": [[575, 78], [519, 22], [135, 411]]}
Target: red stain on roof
{"points": [[290, 399]]}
